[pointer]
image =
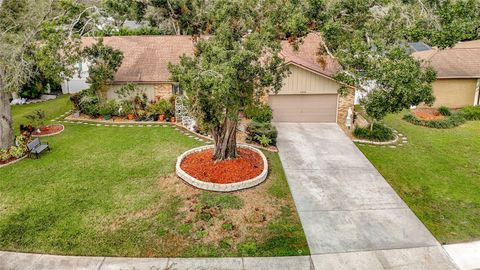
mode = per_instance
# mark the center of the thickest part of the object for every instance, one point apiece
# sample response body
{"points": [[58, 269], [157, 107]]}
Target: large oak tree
{"points": [[230, 70]]}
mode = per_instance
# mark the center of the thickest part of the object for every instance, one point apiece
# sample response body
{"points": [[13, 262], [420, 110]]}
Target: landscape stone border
{"points": [[52, 134], [378, 143], [221, 187], [400, 140]]}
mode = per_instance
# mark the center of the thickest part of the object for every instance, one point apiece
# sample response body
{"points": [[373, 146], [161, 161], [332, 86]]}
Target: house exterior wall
{"points": [[454, 93], [153, 91], [302, 81]]}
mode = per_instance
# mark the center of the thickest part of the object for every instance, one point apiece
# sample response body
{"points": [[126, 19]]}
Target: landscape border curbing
{"points": [[221, 187], [52, 134], [140, 123], [378, 143]]}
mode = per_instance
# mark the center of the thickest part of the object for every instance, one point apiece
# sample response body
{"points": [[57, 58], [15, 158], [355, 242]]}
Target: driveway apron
{"points": [[352, 218]]}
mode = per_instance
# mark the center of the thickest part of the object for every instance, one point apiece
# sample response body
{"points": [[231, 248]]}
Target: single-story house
{"points": [[458, 74], [309, 93]]}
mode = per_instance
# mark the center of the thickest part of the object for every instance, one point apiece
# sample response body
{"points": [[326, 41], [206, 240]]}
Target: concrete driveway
{"points": [[351, 216]]}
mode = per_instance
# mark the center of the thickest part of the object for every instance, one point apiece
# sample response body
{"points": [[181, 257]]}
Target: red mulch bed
{"points": [[7, 161], [202, 166], [428, 114], [46, 130]]}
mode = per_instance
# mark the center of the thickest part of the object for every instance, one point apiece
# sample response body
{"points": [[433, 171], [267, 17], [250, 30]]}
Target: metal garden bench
{"points": [[35, 147]]}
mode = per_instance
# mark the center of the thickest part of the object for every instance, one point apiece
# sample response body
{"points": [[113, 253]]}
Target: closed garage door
{"points": [[304, 108]]}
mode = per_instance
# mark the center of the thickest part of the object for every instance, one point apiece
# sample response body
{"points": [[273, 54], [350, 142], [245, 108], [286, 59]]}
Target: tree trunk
{"points": [[6, 121], [225, 137]]}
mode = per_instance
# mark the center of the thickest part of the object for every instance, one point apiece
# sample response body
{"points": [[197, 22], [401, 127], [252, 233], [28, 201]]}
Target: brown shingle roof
{"points": [[146, 58], [307, 56], [461, 61]]}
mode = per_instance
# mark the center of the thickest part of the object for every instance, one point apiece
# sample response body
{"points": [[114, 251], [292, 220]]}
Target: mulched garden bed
{"points": [[2, 162], [49, 130], [428, 114], [201, 165]]}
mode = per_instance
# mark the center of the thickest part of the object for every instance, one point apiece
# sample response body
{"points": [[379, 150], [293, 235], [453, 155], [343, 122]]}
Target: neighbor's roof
{"points": [[308, 56], [461, 61], [146, 58]]}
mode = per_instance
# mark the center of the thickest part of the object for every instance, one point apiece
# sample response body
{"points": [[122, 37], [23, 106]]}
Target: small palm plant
{"points": [[36, 119]]}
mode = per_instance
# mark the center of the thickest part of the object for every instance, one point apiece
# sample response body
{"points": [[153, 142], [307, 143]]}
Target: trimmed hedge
{"points": [[448, 122], [471, 112], [379, 133]]}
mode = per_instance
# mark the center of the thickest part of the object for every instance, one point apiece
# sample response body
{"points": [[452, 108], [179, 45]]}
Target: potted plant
{"points": [[162, 106]]}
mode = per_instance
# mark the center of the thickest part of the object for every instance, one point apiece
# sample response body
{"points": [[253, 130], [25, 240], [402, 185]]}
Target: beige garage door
{"points": [[304, 108]]}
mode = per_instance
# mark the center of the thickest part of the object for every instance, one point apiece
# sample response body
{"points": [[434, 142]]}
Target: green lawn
{"points": [[112, 191], [52, 109], [438, 175]]}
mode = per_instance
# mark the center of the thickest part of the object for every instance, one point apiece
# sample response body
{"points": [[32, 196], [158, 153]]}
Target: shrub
{"points": [[263, 140], [379, 133], [4, 155], [450, 122], [256, 130], [125, 107], [471, 112], [75, 99], [108, 107], [443, 110], [260, 113], [162, 106], [89, 104]]}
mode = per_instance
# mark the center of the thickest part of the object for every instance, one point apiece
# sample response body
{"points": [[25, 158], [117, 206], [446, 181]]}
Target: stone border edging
{"points": [[71, 119], [377, 143], [13, 162], [221, 187], [52, 134]]}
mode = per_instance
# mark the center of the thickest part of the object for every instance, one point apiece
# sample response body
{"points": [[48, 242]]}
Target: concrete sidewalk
{"points": [[352, 218], [465, 255], [24, 261]]}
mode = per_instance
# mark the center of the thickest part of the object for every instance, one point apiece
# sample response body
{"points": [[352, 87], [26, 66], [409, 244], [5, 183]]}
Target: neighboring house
{"points": [[309, 94], [458, 74]]}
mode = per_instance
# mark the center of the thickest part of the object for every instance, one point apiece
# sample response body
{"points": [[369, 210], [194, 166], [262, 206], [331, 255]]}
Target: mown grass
{"points": [[111, 191], [437, 174], [52, 109]]}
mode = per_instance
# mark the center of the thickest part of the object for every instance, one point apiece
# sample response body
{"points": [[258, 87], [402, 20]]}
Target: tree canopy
{"points": [[230, 70]]}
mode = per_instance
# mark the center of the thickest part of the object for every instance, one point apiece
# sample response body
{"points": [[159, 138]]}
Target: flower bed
{"points": [[49, 130], [448, 122], [428, 114], [197, 167]]}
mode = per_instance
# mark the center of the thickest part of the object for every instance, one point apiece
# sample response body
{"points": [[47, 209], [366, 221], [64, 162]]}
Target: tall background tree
{"points": [[35, 36]]}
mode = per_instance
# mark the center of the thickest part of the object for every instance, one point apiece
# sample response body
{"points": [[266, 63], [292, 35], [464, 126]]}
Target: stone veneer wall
{"points": [[163, 90], [345, 102], [153, 90]]}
